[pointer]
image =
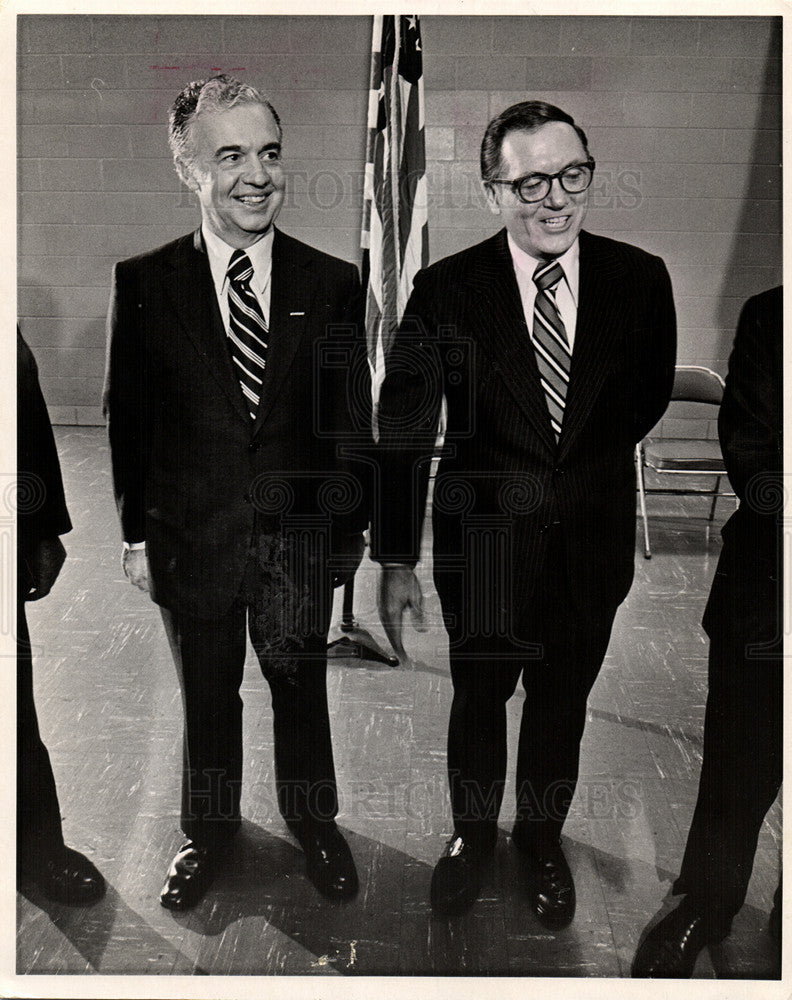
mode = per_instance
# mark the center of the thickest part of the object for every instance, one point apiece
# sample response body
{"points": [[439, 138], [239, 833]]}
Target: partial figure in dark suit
{"points": [[60, 872], [555, 351], [236, 380], [743, 754]]}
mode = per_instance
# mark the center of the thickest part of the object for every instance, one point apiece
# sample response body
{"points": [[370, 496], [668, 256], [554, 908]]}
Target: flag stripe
{"points": [[394, 230]]}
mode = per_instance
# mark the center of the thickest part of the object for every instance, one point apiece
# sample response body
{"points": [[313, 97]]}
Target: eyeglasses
{"points": [[574, 179]]}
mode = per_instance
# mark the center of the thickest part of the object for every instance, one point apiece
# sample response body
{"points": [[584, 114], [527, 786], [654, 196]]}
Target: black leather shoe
{"points": [[774, 929], [774, 925], [550, 884], [191, 873], [670, 949], [456, 880], [328, 861], [69, 878]]}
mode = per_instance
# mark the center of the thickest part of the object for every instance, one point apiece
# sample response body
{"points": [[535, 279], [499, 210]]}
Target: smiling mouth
{"points": [[556, 221], [252, 200]]}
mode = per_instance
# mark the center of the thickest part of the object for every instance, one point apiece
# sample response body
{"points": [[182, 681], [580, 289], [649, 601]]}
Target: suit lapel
{"points": [[292, 292], [190, 287], [498, 311], [601, 304]]}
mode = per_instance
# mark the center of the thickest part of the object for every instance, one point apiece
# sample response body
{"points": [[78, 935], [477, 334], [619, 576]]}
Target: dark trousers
{"points": [[557, 679], [287, 619], [39, 832], [740, 778]]}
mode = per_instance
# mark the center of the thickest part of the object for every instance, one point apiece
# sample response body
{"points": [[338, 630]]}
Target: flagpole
{"points": [[393, 236]]}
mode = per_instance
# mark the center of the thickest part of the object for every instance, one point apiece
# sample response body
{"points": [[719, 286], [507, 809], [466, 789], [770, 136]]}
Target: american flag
{"points": [[394, 237]]}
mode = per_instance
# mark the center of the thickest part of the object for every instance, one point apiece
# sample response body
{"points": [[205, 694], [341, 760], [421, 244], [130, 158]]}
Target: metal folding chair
{"points": [[692, 457]]}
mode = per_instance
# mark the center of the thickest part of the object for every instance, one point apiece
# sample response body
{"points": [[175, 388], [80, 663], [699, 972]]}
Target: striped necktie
{"points": [[550, 342], [247, 331]]}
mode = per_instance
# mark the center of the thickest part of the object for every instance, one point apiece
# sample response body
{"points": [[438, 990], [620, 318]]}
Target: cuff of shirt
{"points": [[133, 546]]}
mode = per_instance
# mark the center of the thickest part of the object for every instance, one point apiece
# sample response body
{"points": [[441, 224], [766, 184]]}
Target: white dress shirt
{"points": [[566, 294], [260, 254]]}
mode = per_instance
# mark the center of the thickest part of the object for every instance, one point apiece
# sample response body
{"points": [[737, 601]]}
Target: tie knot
{"points": [[239, 267], [548, 275]]}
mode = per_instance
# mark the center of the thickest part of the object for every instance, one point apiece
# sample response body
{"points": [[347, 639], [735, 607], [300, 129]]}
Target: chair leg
{"points": [[715, 498], [642, 499]]}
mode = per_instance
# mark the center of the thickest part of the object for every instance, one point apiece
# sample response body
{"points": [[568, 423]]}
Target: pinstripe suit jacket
{"points": [[503, 478], [746, 598]]}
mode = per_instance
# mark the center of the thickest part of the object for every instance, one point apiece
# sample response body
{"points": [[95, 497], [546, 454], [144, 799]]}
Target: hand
{"points": [[135, 566], [45, 564], [399, 589]]}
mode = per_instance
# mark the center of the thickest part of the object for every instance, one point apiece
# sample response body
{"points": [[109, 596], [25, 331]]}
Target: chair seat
{"points": [[684, 455]]}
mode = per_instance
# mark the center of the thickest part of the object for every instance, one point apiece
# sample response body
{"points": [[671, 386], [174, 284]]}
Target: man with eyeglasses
{"points": [[554, 349]]}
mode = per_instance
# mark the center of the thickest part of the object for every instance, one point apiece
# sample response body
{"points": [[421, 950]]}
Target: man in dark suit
{"points": [[743, 753], [43, 858], [554, 349], [236, 378]]}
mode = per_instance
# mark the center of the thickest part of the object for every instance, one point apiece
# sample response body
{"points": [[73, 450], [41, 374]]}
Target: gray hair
{"points": [[219, 93]]}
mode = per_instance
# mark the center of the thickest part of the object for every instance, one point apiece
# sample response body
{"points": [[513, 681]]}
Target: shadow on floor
{"points": [[108, 934]]}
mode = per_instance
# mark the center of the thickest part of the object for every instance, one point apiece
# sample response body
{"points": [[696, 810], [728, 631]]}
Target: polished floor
{"points": [[110, 713]]}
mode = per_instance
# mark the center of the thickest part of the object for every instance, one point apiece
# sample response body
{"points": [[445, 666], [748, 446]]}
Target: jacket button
{"points": [[254, 446], [248, 498]]}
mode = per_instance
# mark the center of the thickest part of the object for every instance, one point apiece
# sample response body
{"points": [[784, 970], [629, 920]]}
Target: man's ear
{"points": [[187, 174], [492, 198]]}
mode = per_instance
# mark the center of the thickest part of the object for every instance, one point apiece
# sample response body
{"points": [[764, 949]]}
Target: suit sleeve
{"points": [[41, 503], [354, 407], [125, 402], [355, 411], [407, 421], [655, 356], [341, 404], [750, 418]]}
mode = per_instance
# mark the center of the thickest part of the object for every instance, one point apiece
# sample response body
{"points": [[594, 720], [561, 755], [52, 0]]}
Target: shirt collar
{"points": [[569, 262], [260, 254]]}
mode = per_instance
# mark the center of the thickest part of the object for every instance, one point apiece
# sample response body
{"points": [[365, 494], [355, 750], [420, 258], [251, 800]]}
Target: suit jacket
{"points": [[745, 600], [41, 504], [503, 479], [193, 474]]}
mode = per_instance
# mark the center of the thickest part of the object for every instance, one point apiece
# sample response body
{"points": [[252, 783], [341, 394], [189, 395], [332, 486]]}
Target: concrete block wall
{"points": [[682, 114]]}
